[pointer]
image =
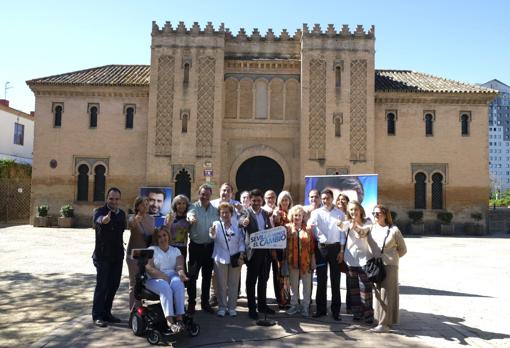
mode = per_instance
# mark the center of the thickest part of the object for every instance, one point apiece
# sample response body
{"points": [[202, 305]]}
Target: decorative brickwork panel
{"points": [[317, 111], [246, 99], [292, 100], [165, 105], [276, 105], [358, 122], [231, 98], [205, 106]]}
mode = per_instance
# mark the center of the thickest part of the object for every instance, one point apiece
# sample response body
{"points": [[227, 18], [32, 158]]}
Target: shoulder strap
{"points": [[224, 236], [384, 242]]}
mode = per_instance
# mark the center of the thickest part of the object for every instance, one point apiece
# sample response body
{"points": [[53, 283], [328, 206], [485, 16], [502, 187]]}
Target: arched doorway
{"points": [[259, 172], [183, 183]]}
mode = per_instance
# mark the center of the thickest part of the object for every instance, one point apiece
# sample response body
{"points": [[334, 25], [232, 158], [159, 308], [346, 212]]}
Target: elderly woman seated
{"points": [[166, 271]]}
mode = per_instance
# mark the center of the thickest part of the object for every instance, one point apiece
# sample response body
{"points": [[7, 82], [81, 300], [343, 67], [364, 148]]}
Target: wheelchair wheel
{"points": [[193, 329], [137, 324], [153, 337]]}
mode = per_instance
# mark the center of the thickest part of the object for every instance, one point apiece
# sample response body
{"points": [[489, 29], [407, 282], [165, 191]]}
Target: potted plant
{"points": [[474, 228], [66, 216], [445, 219], [41, 219], [416, 217]]}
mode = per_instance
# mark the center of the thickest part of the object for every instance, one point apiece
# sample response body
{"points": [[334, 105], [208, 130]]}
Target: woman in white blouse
{"points": [[166, 271], [228, 241], [356, 255], [384, 233]]}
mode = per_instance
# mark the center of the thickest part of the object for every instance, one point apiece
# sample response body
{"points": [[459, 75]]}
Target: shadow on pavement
{"points": [[443, 327], [414, 290]]}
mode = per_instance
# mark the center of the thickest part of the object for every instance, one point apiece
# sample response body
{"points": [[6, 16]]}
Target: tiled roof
{"points": [[411, 81], [108, 75], [139, 75]]}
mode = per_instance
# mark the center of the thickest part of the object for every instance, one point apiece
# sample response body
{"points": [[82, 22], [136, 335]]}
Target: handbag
{"points": [[374, 268], [234, 259]]}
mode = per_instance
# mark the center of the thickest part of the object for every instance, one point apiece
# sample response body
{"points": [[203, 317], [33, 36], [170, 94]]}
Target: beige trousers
{"points": [[306, 280], [386, 296], [227, 283]]}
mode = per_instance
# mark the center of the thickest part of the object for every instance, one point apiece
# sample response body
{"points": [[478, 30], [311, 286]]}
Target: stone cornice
{"points": [[90, 91]]}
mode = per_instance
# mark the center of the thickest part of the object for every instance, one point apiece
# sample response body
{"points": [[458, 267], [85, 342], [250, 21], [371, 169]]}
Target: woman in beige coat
{"points": [[384, 233]]}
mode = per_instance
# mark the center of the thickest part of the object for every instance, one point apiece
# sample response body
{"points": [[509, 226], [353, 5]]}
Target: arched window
{"points": [[83, 183], [186, 74], [390, 120], [58, 116], [99, 183], [429, 119], [130, 115], [338, 77], [464, 124], [420, 191], [437, 191], [337, 127], [93, 117], [184, 127], [183, 183]]}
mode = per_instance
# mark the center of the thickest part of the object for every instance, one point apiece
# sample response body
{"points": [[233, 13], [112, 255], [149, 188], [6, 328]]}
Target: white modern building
{"points": [[499, 137], [16, 134]]}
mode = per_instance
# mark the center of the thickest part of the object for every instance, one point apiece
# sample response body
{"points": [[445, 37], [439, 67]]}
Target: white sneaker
{"points": [[221, 312], [380, 328], [293, 310], [232, 312]]}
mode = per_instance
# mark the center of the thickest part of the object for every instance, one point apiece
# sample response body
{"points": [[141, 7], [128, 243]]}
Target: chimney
{"points": [[32, 114], [4, 102]]}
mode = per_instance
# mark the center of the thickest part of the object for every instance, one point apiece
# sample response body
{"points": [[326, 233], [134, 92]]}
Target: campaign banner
{"points": [[160, 201], [273, 238], [362, 188]]}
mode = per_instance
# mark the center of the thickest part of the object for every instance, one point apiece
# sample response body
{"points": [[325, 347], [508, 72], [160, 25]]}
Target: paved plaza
{"points": [[453, 292]]}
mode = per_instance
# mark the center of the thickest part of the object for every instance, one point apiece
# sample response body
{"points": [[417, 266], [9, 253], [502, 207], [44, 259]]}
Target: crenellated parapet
{"points": [[330, 32]]}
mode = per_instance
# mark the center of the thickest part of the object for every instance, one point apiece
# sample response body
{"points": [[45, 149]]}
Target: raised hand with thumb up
{"points": [[212, 231], [107, 218]]}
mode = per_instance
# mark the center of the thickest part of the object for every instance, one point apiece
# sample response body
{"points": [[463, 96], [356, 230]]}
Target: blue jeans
{"points": [[170, 293]]}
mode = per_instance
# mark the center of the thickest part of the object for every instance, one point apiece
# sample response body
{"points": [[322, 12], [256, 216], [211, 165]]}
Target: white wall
{"points": [[9, 150]]}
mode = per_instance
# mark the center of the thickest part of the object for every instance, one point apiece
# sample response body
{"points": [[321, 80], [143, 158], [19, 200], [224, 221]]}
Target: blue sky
{"points": [[460, 40]]}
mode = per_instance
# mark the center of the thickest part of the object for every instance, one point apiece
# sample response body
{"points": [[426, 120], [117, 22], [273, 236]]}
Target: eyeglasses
{"points": [[378, 213]]}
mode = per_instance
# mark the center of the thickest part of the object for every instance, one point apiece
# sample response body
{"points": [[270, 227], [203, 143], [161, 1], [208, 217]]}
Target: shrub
{"points": [[445, 217], [477, 216], [42, 210], [67, 211], [416, 216]]}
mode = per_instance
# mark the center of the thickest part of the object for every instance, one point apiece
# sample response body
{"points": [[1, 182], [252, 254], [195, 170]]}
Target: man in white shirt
{"points": [[330, 248]]}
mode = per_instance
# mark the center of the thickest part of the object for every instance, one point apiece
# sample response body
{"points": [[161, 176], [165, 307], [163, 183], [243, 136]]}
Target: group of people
{"points": [[212, 236]]}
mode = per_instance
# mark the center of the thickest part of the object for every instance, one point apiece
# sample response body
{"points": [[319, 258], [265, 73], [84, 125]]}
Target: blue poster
{"points": [[160, 201], [362, 188]]}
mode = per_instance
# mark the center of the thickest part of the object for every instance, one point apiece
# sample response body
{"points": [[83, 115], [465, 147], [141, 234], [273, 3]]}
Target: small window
{"points": [[93, 117], [337, 127], [130, 116], [437, 191], [184, 127], [338, 77], [429, 120], [464, 123], [99, 183], [186, 74], [390, 123], [57, 115], [19, 134]]}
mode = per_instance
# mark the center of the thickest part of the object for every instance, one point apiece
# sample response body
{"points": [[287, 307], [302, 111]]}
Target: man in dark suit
{"points": [[259, 260]]}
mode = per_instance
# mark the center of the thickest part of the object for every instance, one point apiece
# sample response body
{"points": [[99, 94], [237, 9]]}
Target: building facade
{"points": [[16, 134], [261, 111], [499, 137]]}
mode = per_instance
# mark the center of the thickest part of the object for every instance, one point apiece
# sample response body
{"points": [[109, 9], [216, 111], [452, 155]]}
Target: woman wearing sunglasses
{"points": [[385, 234]]}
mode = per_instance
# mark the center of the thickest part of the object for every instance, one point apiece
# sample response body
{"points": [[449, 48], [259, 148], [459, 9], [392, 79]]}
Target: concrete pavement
{"points": [[453, 292]]}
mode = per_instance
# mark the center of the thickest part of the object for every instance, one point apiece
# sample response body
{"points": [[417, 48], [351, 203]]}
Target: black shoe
{"points": [[206, 307], [336, 317], [100, 323], [369, 321], [253, 315], [356, 318], [214, 301], [113, 319], [191, 309], [266, 310], [318, 314]]}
